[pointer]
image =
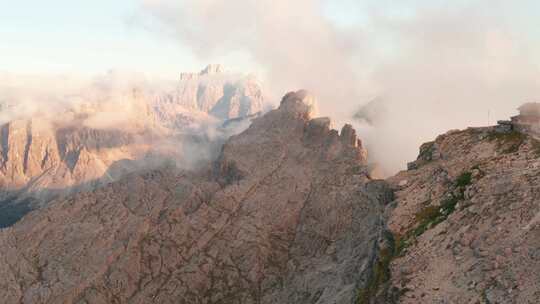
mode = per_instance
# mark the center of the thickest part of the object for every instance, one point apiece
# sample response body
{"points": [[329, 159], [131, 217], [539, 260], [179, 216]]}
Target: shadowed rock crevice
{"points": [[5, 144], [27, 146], [12, 209]]}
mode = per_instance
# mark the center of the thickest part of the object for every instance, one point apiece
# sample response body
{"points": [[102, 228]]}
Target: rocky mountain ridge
{"points": [[288, 213], [467, 220]]}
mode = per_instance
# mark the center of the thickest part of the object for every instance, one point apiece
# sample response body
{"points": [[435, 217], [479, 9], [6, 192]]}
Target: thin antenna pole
{"points": [[489, 117]]}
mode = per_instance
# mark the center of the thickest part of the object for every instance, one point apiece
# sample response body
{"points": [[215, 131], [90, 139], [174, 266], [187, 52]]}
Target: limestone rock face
{"points": [[42, 157], [213, 91], [39, 161], [287, 214], [467, 220]]}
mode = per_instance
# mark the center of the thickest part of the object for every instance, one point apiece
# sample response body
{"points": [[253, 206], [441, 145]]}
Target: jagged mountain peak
{"points": [[289, 129], [301, 102], [284, 206], [212, 69], [215, 92]]}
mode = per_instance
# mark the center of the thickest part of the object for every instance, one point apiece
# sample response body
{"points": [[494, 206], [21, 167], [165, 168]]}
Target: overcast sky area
{"points": [[433, 65]]}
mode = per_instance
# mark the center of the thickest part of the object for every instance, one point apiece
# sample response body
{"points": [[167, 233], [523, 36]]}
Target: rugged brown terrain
{"points": [[466, 220], [286, 215], [289, 214]]}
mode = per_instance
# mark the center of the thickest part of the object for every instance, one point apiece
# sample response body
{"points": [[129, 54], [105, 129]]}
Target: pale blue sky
{"points": [[85, 36], [92, 36]]}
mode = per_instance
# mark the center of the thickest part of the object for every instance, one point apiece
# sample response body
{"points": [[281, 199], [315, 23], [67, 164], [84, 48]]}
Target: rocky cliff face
{"points": [[85, 147], [467, 220], [212, 91], [287, 214]]}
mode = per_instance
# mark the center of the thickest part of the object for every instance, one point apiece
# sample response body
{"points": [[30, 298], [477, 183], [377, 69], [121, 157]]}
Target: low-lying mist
{"points": [[431, 66], [106, 100], [120, 103]]}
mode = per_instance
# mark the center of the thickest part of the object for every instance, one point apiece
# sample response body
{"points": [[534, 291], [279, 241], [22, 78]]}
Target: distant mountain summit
{"points": [[215, 92], [114, 132], [213, 69]]}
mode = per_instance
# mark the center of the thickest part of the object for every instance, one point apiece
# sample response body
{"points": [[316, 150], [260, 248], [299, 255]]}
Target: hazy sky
{"points": [[92, 36], [84, 36]]}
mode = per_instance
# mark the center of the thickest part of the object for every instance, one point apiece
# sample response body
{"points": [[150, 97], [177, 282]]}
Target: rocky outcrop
{"points": [[40, 161], [466, 221], [213, 91], [33, 148], [287, 214]]}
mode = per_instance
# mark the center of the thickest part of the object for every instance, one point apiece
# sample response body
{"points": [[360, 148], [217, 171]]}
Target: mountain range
{"points": [[94, 142], [284, 210]]}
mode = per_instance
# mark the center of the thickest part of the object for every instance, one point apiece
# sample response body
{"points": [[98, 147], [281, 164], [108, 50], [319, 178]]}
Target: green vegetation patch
{"points": [[464, 179], [381, 275], [402, 243], [536, 147], [509, 142], [426, 219], [431, 216]]}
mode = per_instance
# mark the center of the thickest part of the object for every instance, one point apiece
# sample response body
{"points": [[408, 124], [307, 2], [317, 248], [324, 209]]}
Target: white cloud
{"points": [[437, 65]]}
